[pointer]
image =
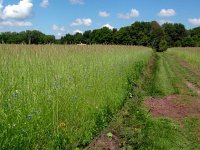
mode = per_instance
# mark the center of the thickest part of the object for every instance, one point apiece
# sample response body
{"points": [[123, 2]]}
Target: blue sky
{"points": [[59, 17]]}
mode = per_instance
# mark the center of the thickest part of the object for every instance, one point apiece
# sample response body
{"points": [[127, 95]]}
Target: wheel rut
{"points": [[193, 87], [177, 106]]}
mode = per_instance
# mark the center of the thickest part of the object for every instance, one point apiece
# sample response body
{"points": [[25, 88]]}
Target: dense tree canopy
{"points": [[149, 34], [26, 37]]}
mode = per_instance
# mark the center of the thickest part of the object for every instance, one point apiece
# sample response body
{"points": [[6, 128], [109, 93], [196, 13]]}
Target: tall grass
{"points": [[190, 55], [54, 97]]}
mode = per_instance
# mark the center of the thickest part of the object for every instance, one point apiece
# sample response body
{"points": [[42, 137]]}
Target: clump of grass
{"points": [[61, 96]]}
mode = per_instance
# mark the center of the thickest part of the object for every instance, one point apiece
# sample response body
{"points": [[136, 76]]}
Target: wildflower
{"points": [[62, 125]]}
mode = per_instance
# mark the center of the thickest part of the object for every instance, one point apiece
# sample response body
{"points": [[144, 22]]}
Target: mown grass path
{"points": [[164, 112]]}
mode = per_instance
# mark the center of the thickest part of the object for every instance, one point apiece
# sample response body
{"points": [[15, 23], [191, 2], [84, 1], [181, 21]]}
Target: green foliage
{"points": [[156, 35], [187, 42], [148, 34], [26, 37], [163, 45]]}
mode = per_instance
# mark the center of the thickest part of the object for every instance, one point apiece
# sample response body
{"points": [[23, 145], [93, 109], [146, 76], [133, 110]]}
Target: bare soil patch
{"points": [[165, 107], [175, 106], [103, 142]]}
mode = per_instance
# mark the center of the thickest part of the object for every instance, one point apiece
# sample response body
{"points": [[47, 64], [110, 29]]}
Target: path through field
{"points": [[168, 117]]}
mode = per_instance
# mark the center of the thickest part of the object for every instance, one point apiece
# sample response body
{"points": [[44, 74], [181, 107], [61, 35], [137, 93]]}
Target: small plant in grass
{"points": [[109, 135]]}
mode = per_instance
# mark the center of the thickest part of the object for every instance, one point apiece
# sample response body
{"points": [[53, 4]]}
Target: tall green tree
{"points": [[157, 34]]}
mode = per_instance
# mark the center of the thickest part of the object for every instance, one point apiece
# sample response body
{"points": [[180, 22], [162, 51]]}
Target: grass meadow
{"points": [[189, 60], [191, 55], [56, 96]]}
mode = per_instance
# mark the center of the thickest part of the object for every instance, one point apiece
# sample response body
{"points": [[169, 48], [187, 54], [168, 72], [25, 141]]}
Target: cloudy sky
{"points": [[59, 17]]}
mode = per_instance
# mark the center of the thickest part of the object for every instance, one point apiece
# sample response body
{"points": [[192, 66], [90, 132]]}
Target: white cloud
{"points": [[108, 26], [60, 31], [14, 23], [14, 15], [20, 11], [194, 21], [44, 3], [167, 13], [161, 22], [1, 5], [104, 14], [78, 31], [132, 14], [76, 2], [84, 22]]}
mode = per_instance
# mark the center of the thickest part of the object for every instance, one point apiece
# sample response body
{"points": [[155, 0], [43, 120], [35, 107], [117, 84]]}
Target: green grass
{"points": [[53, 97], [138, 129], [191, 55], [135, 126], [189, 62], [193, 131], [161, 82]]}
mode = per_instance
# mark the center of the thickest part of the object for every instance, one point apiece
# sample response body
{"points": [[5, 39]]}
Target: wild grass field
{"points": [[58, 97], [99, 97], [191, 55]]}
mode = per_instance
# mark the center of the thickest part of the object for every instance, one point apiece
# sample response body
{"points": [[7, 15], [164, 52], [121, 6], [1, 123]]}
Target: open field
{"points": [[99, 75], [95, 97], [52, 97]]}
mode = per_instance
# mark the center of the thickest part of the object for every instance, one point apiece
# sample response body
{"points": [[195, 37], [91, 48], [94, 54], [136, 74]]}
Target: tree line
{"points": [[26, 37], [151, 34]]}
